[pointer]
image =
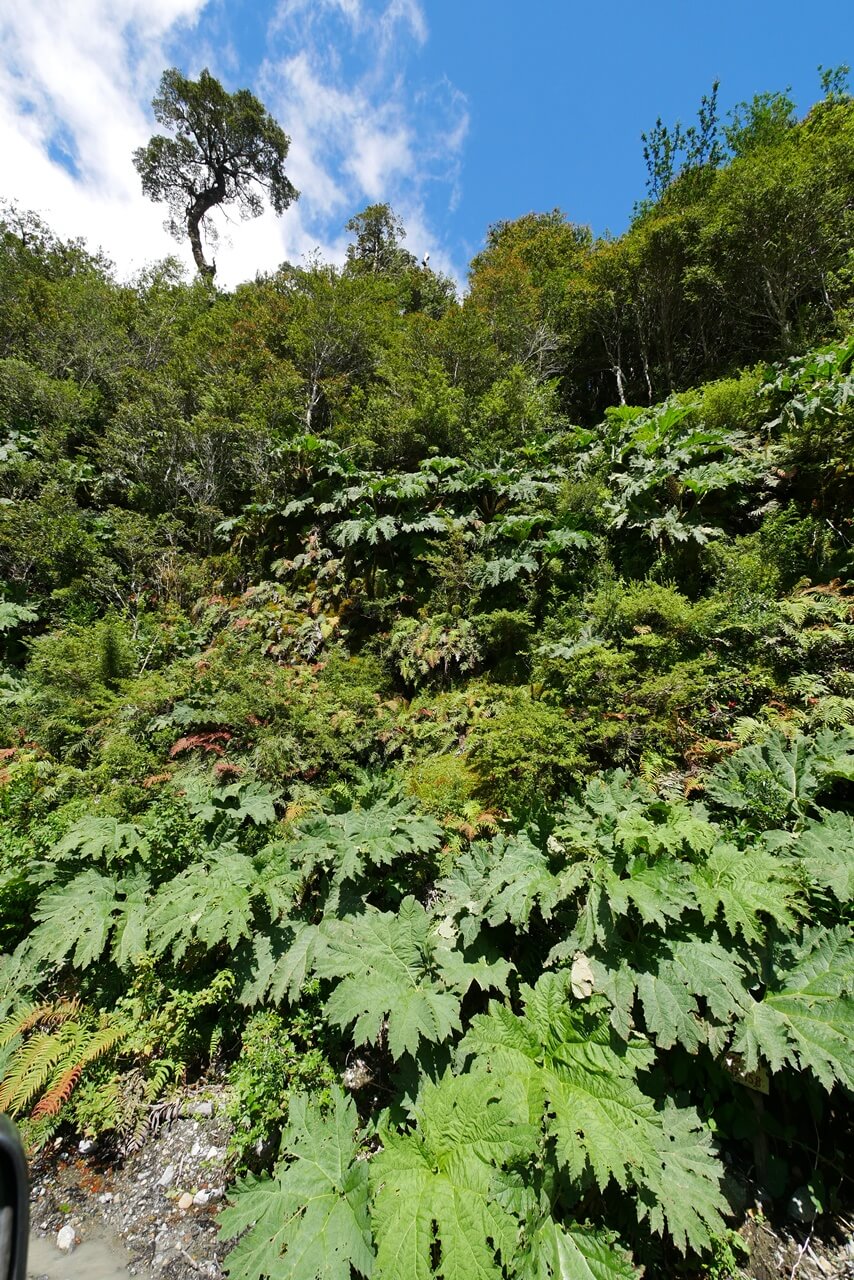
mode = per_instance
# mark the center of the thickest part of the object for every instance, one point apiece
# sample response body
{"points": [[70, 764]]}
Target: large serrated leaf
{"points": [[77, 920], [744, 885], [787, 774], [310, 1220], [595, 1112], [806, 1019], [439, 1192], [570, 1252], [208, 903], [385, 962]]}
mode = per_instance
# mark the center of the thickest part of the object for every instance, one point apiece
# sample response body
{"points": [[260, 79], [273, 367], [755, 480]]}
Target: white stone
{"points": [[196, 1150], [201, 1197], [66, 1238], [84, 1145], [166, 1176], [186, 1201], [213, 1153]]}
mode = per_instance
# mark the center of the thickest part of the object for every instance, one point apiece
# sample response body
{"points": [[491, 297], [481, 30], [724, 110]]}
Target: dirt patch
{"points": [[823, 1252]]}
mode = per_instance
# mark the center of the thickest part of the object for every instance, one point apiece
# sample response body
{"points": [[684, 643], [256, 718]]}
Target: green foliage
{"points": [[562, 1067], [77, 921], [439, 1191], [526, 752], [278, 1059], [806, 1017], [310, 1220], [781, 780], [399, 978], [466, 683]]}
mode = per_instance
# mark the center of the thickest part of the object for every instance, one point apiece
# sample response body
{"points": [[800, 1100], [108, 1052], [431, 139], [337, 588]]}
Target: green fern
{"points": [[54, 1045]]}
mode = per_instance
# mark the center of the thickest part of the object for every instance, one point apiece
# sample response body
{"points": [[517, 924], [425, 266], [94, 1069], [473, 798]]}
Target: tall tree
{"points": [[226, 146], [377, 247]]}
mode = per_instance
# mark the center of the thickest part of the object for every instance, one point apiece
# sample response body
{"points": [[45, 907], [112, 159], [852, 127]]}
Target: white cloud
{"points": [[71, 79], [364, 128], [76, 81]]}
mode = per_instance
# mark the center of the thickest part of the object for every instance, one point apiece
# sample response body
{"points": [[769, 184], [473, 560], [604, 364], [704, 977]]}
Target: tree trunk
{"points": [[206, 269], [203, 203]]}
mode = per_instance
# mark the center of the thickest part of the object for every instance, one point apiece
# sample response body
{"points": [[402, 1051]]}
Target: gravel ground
{"points": [[152, 1214]]}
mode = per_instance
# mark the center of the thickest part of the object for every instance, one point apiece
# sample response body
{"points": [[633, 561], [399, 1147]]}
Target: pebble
{"points": [[186, 1201], [203, 1109], [166, 1176], [85, 1144], [201, 1197], [66, 1238], [196, 1149], [213, 1153]]}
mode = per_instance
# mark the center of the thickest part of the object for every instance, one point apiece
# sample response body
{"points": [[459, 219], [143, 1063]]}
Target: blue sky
{"points": [[460, 112]]}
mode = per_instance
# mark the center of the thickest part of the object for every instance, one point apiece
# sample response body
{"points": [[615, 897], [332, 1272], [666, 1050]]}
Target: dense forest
{"points": [[433, 717]]}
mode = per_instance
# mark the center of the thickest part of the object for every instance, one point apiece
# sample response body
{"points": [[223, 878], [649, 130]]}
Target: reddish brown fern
{"points": [[59, 1093], [205, 741]]}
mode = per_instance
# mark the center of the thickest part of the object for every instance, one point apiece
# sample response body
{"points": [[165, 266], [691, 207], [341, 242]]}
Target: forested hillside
{"points": [[434, 717]]}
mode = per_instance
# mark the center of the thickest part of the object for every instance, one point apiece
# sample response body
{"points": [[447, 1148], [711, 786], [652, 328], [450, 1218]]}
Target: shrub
{"points": [[277, 1057], [526, 753], [443, 784]]}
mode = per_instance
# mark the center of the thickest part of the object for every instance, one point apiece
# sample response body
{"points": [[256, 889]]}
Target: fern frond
{"points": [[52, 1060], [21, 1020], [29, 1071], [58, 1094]]}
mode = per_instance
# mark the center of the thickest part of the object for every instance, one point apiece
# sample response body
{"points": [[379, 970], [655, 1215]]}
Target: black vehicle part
{"points": [[14, 1204]]}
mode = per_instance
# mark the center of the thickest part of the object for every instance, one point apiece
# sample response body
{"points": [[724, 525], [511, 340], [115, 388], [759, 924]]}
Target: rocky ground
{"points": [[153, 1213], [823, 1250]]}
